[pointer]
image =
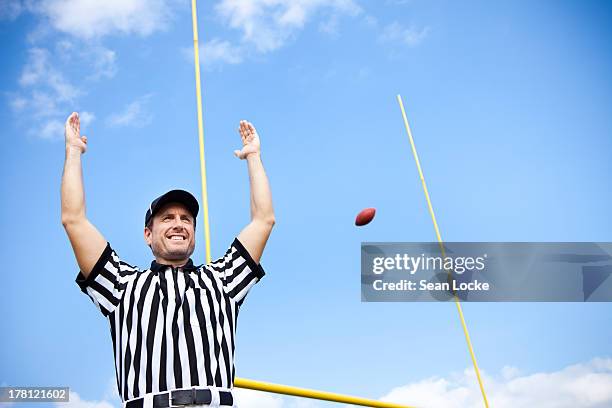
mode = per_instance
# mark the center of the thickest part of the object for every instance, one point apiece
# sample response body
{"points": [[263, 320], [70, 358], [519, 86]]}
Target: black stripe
{"points": [[204, 335], [246, 280], [122, 390], [128, 352], [191, 352], [151, 338], [104, 292], [126, 265], [111, 321], [163, 384], [235, 271], [84, 282], [139, 307], [178, 370], [229, 315], [213, 322], [221, 318]]}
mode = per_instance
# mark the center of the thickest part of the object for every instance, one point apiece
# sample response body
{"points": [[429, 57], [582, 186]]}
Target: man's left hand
{"points": [[250, 140]]}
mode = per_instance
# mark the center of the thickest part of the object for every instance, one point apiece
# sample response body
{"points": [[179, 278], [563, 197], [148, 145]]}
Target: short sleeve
{"points": [[107, 281], [238, 271]]}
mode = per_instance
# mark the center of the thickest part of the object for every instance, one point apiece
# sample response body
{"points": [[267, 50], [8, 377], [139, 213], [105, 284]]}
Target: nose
{"points": [[177, 224]]}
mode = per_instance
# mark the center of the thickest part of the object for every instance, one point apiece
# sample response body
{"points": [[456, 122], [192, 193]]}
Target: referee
{"points": [[173, 325]]}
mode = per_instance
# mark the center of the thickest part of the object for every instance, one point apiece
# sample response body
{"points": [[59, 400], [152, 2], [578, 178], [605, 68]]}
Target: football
{"points": [[365, 216]]}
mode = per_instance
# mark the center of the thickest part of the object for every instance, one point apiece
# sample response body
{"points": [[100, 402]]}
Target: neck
{"points": [[171, 262]]}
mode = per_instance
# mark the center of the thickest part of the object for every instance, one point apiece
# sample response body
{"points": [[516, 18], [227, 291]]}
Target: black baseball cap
{"points": [[173, 196]]}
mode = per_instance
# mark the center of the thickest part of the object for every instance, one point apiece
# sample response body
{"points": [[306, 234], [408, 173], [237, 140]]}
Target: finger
{"points": [[84, 139], [243, 132], [251, 128], [237, 154]]}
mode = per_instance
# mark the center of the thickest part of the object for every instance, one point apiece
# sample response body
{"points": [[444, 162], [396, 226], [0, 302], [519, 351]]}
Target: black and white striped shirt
{"points": [[172, 327]]}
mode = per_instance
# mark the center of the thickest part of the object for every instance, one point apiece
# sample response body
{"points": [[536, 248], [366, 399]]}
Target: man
{"points": [[172, 325]]}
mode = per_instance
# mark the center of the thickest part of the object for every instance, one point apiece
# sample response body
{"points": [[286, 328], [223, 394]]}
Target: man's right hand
{"points": [[72, 132]]}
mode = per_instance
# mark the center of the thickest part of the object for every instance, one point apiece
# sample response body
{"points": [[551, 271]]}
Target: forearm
{"points": [[261, 195], [72, 194]]}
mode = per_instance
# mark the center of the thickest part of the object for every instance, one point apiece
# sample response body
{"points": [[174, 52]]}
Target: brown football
{"points": [[365, 216]]}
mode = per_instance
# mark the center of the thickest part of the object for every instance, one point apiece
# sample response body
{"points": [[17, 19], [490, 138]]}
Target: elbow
{"points": [[67, 221], [267, 221], [271, 221], [70, 220]]}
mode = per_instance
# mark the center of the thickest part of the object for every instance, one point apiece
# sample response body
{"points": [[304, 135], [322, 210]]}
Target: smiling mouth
{"points": [[176, 238]]}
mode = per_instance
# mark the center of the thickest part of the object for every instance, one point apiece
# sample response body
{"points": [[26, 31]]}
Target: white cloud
{"points": [[35, 67], [134, 114], [77, 402], [47, 92], [112, 394], [18, 103], [269, 24], [88, 19], [51, 130], [221, 50], [256, 399], [86, 118], [104, 65], [45, 95], [330, 26], [216, 52], [410, 36], [101, 61], [585, 385], [11, 9], [39, 72]]}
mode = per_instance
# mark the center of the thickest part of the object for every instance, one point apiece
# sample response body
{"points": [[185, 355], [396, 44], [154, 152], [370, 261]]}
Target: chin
{"points": [[179, 254]]}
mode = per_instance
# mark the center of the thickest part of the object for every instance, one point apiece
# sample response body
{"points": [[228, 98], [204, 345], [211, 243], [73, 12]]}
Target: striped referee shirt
{"points": [[172, 327]]}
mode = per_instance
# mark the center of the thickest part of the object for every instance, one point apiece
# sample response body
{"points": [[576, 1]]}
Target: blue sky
{"points": [[509, 104]]}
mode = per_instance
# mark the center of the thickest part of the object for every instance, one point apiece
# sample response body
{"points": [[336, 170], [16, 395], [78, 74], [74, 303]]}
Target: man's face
{"points": [[171, 234]]}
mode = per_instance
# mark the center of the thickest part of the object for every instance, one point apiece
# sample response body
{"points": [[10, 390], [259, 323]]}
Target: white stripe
{"points": [[239, 277], [109, 285], [226, 332], [159, 332], [124, 335], [228, 272], [118, 349], [240, 295], [133, 331], [99, 300], [209, 328], [182, 341], [144, 322], [197, 336], [169, 341]]}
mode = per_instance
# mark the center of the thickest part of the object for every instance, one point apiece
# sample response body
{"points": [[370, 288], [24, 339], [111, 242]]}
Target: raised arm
{"points": [[255, 235], [87, 242]]}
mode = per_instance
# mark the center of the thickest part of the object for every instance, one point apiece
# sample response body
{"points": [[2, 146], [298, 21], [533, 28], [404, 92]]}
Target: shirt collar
{"points": [[157, 267]]}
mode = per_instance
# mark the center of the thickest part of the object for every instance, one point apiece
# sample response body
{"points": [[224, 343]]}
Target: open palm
{"points": [[72, 132], [250, 140]]}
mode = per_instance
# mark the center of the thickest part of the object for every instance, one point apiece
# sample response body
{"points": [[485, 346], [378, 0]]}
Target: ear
{"points": [[148, 236]]}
